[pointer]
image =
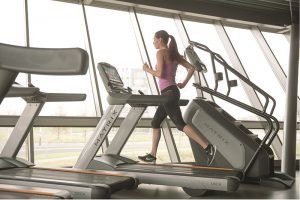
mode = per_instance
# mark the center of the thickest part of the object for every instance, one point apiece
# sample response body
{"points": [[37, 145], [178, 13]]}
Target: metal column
{"points": [[289, 140]]}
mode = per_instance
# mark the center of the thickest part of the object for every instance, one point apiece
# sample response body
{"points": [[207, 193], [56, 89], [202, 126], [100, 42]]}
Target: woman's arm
{"points": [[159, 68], [190, 68]]}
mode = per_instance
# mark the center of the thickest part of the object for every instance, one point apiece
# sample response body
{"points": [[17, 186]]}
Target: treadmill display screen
{"points": [[112, 74]]}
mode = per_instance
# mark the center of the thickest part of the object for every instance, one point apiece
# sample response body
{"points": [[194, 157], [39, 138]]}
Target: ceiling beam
{"points": [[219, 9]]}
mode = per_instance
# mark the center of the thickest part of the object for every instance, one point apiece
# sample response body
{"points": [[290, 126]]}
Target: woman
{"points": [[168, 59]]}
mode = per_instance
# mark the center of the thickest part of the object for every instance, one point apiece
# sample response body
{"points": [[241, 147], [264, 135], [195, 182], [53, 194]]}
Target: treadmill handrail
{"points": [[18, 91], [48, 61], [219, 59]]}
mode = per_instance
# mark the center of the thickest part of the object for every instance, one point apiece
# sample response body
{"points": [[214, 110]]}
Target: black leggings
{"points": [[171, 109]]}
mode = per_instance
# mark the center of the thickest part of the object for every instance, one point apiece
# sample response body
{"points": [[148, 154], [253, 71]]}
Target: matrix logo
{"points": [[216, 133], [107, 126]]}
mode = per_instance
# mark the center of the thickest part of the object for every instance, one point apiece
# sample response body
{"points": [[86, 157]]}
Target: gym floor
{"points": [[245, 191]]}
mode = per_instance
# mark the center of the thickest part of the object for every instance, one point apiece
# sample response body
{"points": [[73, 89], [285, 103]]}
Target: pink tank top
{"points": [[168, 76]]}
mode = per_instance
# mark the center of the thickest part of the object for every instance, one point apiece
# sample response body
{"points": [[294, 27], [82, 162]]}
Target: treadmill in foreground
{"points": [[72, 61], [9, 191], [195, 180]]}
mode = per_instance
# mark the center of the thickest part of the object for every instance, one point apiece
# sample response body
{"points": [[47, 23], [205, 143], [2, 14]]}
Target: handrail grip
{"points": [[253, 110]]}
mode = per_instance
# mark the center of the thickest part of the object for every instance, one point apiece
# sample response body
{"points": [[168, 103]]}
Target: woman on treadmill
{"points": [[167, 61]]}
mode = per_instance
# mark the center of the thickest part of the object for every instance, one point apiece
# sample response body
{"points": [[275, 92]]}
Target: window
{"points": [[59, 146], [13, 31], [281, 48], [206, 34], [60, 25], [257, 67]]}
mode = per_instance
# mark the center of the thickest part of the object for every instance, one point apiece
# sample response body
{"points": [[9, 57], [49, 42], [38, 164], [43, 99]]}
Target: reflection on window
{"points": [[60, 25], [167, 24], [206, 34], [257, 67], [113, 41]]}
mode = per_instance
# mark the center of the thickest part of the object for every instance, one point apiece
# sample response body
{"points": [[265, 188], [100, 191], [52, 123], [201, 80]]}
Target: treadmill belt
{"points": [[177, 169], [115, 182], [14, 195]]}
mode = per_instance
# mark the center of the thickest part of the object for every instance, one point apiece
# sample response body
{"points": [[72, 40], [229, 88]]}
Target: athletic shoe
{"points": [[210, 152], [147, 158]]}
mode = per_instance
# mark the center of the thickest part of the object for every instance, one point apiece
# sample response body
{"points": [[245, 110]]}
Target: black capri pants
{"points": [[171, 109]]}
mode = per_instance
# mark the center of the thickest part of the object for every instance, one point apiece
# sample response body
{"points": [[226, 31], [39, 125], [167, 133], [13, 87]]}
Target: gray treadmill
{"points": [[9, 191], [13, 170], [195, 180]]}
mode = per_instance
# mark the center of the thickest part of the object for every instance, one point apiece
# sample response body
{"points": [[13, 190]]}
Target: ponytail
{"points": [[174, 54]]}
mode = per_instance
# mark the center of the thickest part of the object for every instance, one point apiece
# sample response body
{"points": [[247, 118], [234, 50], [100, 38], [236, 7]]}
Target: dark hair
{"points": [[174, 54]]}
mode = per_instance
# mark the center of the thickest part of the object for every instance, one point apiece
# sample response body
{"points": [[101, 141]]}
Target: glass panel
{"points": [[140, 143], [12, 25], [4, 134], [257, 67], [60, 25], [113, 41], [280, 134], [12, 15], [206, 34], [183, 146], [59, 146], [261, 134], [281, 48], [167, 24]]}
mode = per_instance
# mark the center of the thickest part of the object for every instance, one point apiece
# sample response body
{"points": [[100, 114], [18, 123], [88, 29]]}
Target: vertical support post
{"points": [[29, 140], [30, 146], [21, 130], [289, 140]]}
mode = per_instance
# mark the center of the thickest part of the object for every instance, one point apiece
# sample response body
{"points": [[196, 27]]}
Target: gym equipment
{"points": [[22, 192], [195, 180], [13, 170], [237, 146]]}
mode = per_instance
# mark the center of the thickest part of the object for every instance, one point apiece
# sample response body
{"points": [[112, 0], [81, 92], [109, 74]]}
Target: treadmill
{"points": [[195, 180], [23, 192], [72, 61]]}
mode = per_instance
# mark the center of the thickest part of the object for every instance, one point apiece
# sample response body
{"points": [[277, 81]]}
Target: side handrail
{"points": [[273, 124], [219, 59], [271, 120]]}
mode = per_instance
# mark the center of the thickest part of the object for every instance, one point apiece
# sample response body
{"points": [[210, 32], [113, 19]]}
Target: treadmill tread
{"points": [[72, 178], [176, 169]]}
